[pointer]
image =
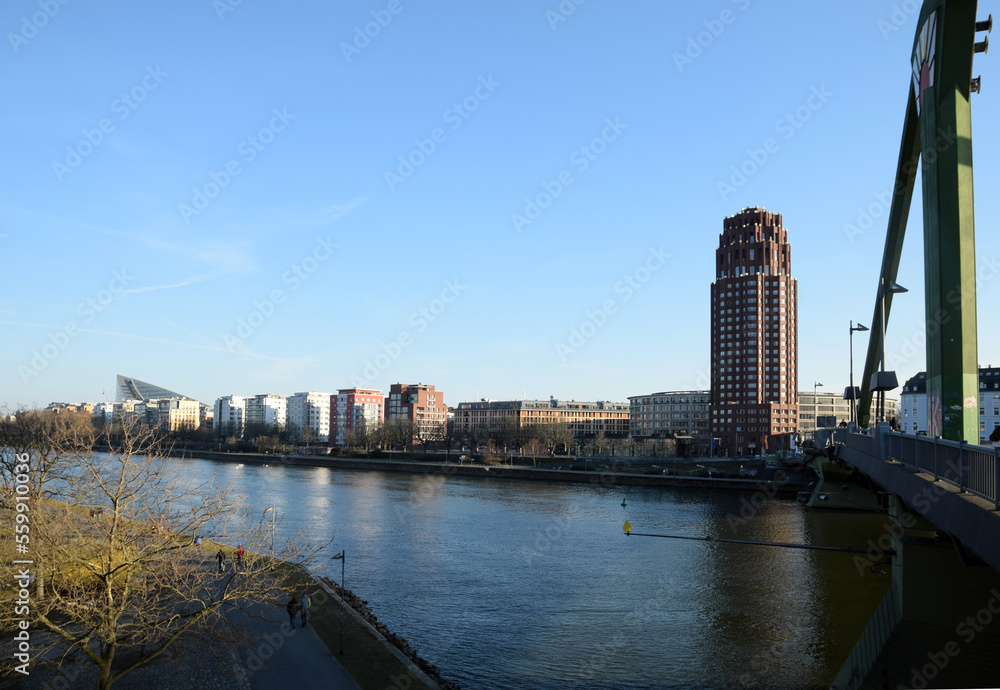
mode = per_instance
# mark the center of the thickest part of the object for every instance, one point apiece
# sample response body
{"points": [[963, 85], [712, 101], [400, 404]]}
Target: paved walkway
{"points": [[274, 656], [286, 657]]}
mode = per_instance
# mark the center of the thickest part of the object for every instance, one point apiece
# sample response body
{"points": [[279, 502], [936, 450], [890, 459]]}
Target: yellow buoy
{"points": [[627, 527]]}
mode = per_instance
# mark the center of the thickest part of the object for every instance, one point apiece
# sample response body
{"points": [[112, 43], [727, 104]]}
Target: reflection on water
{"points": [[517, 584]]}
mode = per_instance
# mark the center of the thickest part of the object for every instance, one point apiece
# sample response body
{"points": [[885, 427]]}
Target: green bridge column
{"points": [[942, 60]]}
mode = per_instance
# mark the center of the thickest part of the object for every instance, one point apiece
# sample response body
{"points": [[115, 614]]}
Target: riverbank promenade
{"points": [[300, 659], [273, 655]]}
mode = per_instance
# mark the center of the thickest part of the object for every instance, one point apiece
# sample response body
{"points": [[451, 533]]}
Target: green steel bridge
{"points": [[942, 491]]}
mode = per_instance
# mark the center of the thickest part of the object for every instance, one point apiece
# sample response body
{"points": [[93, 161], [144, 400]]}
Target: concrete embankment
{"points": [[782, 482]]}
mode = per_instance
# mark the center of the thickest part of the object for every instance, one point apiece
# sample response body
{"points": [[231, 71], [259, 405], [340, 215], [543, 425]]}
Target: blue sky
{"points": [[274, 197]]}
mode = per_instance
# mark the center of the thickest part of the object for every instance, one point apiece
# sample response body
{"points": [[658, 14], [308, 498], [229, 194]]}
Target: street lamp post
{"points": [[816, 384], [854, 393], [343, 593], [271, 508], [884, 382]]}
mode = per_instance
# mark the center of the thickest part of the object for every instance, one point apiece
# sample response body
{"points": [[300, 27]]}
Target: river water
{"points": [[516, 584]]}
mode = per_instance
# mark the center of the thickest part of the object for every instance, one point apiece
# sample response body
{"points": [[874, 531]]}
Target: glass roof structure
{"points": [[134, 389]]}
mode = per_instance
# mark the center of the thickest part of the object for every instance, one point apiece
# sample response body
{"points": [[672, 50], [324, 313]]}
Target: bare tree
{"points": [[49, 439], [475, 435], [398, 433], [504, 434], [601, 443], [553, 435], [125, 586], [450, 439]]}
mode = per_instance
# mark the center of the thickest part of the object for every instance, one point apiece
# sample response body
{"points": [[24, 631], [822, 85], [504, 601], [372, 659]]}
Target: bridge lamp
{"points": [[852, 393], [883, 380]]}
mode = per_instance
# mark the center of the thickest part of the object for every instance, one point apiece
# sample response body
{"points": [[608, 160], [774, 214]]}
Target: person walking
{"points": [[304, 604], [995, 437], [293, 608], [239, 555], [222, 560]]}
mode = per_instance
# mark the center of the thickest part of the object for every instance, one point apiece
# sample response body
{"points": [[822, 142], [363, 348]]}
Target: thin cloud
{"points": [[184, 283], [333, 212], [228, 256], [196, 336], [164, 341]]}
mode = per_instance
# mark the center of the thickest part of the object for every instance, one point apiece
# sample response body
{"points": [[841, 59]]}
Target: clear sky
{"points": [[248, 197]]}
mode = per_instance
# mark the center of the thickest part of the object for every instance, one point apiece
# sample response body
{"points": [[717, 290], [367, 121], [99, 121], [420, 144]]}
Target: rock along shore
{"points": [[361, 606]]}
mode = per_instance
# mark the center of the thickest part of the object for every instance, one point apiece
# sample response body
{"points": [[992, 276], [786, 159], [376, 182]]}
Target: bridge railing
{"points": [[974, 469]]}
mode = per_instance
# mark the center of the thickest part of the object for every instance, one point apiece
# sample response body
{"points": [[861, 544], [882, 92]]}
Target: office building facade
{"points": [[582, 419], [669, 414], [754, 379]]}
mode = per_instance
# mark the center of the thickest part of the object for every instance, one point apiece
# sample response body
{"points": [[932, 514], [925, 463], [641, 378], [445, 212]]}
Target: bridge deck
{"points": [[935, 479]]}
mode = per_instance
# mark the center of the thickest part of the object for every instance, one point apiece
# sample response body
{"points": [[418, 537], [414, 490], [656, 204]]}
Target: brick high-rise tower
{"points": [[754, 352]]}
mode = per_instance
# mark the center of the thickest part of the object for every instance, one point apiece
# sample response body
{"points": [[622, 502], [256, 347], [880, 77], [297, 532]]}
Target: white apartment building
{"points": [[674, 413], [105, 411], [266, 412], [230, 415], [913, 415], [310, 411]]}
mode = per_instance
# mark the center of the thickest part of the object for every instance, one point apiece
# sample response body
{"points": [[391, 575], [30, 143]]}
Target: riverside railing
{"points": [[973, 469]]}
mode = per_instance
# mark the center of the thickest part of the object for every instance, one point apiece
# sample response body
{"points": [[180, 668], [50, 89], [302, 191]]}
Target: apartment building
{"points": [[353, 409]]}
